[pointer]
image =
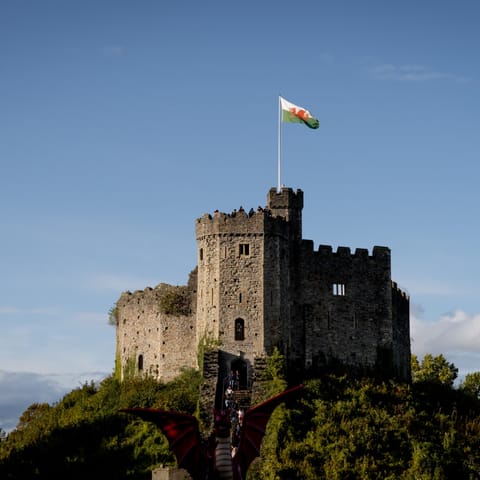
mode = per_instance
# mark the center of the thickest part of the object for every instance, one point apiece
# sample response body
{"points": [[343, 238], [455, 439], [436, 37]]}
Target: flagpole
{"points": [[279, 136]]}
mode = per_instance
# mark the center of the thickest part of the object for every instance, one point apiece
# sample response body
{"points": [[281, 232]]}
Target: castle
{"points": [[258, 285]]}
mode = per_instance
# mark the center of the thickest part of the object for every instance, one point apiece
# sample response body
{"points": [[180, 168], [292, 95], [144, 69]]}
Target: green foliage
{"points": [[434, 370], [346, 428], [271, 383], [207, 343], [129, 369], [84, 435], [113, 316], [274, 373], [176, 301], [338, 428], [471, 384]]}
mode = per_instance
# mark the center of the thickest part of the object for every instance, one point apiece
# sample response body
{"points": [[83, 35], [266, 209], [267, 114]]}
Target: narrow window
{"points": [[240, 298], [239, 329], [201, 254], [355, 321], [140, 363], [339, 289], [244, 249]]}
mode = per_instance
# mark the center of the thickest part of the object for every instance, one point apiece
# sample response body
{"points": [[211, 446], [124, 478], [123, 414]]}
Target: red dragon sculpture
{"points": [[215, 459]]}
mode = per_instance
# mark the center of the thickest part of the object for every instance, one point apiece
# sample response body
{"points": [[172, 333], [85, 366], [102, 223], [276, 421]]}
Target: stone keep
{"points": [[258, 285]]}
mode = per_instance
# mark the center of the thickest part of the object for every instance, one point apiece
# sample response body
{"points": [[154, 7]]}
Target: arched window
{"points": [[140, 363], [239, 329]]}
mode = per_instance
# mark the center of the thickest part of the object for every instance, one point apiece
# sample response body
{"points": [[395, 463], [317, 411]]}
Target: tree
{"points": [[433, 369], [113, 316], [34, 411], [471, 384]]}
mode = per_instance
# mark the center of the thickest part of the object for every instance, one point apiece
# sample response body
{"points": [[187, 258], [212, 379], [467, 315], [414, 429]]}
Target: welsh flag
{"points": [[294, 114]]}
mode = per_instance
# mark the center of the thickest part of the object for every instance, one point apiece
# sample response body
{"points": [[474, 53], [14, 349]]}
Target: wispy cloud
{"points": [[412, 73], [457, 333], [89, 318], [18, 390], [433, 288], [112, 51], [9, 310], [118, 283]]}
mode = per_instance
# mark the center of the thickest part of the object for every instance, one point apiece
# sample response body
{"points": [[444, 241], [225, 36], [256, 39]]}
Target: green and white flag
{"points": [[294, 114]]}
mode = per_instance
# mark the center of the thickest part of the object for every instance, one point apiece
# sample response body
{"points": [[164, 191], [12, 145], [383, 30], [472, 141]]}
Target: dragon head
{"points": [[221, 423]]}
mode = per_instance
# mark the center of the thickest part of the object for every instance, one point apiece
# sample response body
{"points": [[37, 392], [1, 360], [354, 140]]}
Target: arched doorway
{"points": [[239, 369]]}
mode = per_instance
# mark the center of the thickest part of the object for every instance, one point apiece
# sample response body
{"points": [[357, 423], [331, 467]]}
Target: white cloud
{"points": [[453, 335], [411, 73], [18, 390]]}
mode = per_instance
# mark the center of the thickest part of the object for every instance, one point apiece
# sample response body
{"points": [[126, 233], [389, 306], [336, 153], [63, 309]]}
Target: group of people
{"points": [[236, 413]]}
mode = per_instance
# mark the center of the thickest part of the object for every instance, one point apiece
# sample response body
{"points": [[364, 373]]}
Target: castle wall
{"points": [[401, 332], [150, 342], [347, 305], [281, 269], [258, 285]]}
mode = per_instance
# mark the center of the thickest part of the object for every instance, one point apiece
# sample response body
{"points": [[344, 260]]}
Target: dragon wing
{"points": [[183, 437], [253, 430]]}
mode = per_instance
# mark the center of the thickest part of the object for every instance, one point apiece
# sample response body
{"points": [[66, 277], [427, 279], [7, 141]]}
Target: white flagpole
{"points": [[279, 144]]}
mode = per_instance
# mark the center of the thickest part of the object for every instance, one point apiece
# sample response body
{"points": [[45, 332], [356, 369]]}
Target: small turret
{"points": [[287, 204]]}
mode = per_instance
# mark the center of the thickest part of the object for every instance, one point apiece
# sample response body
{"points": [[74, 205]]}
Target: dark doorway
{"points": [[239, 366]]}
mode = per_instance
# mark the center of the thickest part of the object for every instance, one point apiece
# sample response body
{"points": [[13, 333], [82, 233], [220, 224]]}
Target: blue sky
{"points": [[121, 122]]}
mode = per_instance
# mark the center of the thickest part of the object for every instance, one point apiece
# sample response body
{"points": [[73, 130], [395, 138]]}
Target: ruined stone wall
{"points": [[151, 342]]}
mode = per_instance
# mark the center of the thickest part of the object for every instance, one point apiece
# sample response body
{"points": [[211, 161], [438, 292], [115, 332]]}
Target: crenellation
{"points": [[343, 252], [325, 250], [361, 253], [381, 252], [259, 285]]}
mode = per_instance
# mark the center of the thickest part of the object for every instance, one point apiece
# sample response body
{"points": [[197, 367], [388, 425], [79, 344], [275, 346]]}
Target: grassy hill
{"points": [[340, 428]]}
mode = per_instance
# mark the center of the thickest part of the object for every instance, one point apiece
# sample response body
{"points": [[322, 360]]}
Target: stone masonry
{"points": [[258, 285]]}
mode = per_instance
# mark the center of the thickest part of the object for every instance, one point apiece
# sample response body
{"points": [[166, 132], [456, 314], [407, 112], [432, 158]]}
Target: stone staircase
{"points": [[243, 398]]}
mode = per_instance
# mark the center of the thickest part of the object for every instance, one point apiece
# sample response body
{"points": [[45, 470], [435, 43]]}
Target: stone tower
{"points": [[244, 265], [259, 285]]}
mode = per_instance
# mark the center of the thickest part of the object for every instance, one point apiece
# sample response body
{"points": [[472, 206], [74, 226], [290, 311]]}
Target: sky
{"points": [[122, 122]]}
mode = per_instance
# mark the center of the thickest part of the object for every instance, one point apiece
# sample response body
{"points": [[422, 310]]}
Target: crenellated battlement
{"points": [[399, 293], [256, 222], [259, 285], [285, 198], [281, 216], [378, 253], [235, 218]]}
